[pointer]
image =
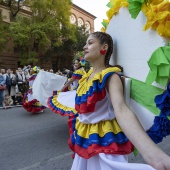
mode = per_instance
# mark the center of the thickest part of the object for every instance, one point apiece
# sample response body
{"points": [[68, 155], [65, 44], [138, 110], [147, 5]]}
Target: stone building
{"points": [[9, 58]]}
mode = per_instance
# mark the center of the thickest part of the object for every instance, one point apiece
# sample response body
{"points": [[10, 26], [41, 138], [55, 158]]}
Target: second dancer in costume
{"points": [[29, 103]]}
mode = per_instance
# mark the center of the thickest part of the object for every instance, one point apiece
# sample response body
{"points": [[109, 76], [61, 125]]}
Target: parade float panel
{"points": [[132, 46], [141, 47]]}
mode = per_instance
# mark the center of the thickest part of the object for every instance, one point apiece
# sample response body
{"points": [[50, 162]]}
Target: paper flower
{"points": [[161, 126], [35, 69], [82, 62], [158, 16], [114, 6], [157, 13], [135, 7], [163, 101]]}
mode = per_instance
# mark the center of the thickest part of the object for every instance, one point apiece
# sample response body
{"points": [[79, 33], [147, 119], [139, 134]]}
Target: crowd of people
{"points": [[13, 85]]}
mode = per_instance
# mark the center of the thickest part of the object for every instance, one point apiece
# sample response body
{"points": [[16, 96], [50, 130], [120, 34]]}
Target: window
{"points": [[87, 27], [80, 22], [73, 19]]}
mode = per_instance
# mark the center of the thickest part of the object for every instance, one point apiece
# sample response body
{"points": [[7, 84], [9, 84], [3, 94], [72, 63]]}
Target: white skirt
{"points": [[107, 162]]}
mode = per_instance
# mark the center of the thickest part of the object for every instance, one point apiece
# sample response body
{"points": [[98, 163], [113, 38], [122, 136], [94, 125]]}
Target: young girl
{"points": [[106, 130], [76, 76], [7, 102]]}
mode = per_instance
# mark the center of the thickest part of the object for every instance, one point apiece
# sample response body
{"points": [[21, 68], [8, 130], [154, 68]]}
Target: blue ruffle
{"points": [[78, 76], [161, 126], [106, 140], [163, 100]]}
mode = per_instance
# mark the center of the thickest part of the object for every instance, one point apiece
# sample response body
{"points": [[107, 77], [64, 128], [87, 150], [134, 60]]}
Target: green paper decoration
{"points": [[159, 64], [105, 24], [135, 7], [135, 152], [144, 94], [109, 5]]}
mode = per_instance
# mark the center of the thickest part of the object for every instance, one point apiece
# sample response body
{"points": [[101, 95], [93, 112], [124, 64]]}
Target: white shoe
{"points": [[41, 111]]}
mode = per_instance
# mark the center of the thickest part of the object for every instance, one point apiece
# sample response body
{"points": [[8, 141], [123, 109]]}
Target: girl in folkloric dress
{"points": [[29, 103], [106, 130], [76, 76]]}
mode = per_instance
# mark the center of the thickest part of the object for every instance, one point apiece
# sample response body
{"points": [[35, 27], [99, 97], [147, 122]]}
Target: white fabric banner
{"points": [[44, 85]]}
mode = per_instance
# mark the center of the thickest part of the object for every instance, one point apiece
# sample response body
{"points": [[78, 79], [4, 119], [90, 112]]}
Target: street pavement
{"points": [[39, 141]]}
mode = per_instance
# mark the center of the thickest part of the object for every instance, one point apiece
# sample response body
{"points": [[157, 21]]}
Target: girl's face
{"points": [[92, 48], [76, 64]]}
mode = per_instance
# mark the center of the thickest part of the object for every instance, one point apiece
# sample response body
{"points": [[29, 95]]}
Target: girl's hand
{"points": [[62, 89], [163, 163]]}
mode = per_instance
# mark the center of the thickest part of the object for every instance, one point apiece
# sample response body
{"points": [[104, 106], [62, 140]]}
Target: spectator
{"points": [[27, 76], [7, 102], [2, 83], [21, 81], [27, 68], [18, 99], [11, 84], [3, 73], [51, 71], [59, 72], [8, 82]]}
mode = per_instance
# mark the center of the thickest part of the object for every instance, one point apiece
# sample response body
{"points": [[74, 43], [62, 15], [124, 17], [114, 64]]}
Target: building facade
{"points": [[9, 58]]}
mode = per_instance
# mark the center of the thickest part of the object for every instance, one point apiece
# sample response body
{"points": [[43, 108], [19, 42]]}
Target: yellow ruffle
{"points": [[37, 104], [84, 84], [100, 128], [80, 71], [60, 106]]}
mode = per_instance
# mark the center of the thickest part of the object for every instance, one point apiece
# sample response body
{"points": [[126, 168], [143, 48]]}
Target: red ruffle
{"points": [[30, 106], [94, 149], [89, 106]]}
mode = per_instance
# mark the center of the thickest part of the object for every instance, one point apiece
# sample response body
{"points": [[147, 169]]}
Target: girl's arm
{"points": [[133, 129], [68, 83]]}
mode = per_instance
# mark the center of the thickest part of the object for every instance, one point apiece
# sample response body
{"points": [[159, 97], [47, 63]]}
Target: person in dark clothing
{"points": [[18, 99]]}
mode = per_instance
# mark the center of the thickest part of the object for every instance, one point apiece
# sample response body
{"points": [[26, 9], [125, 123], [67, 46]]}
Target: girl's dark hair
{"points": [[79, 63], [105, 38]]}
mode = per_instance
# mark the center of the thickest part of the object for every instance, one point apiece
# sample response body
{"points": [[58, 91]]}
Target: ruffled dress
{"points": [[29, 103], [95, 135], [77, 75], [67, 97]]}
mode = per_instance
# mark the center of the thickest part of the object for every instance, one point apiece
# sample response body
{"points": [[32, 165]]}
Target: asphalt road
{"points": [[39, 141]]}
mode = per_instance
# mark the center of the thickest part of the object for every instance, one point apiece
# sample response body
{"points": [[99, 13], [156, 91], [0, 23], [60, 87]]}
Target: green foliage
{"points": [[4, 38], [29, 57], [33, 34], [48, 22], [72, 45], [14, 6]]}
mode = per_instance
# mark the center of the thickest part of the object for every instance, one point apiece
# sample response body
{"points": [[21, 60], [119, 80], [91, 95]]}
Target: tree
{"points": [[49, 21], [4, 32], [14, 6], [46, 32], [71, 47]]}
